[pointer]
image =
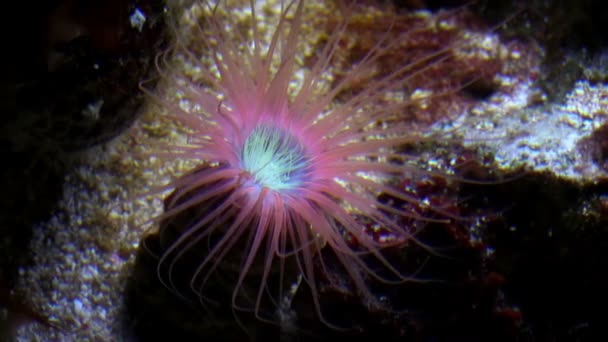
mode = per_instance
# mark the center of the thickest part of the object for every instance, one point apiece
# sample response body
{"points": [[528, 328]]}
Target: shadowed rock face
{"points": [[69, 76], [72, 77]]}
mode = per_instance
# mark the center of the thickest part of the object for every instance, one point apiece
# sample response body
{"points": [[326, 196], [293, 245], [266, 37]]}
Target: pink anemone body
{"points": [[293, 161]]}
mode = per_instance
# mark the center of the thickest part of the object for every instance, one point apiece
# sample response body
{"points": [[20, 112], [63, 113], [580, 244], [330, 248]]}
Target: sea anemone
{"points": [[296, 158]]}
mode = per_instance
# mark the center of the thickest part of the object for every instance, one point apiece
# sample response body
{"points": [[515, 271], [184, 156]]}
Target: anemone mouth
{"points": [[275, 158]]}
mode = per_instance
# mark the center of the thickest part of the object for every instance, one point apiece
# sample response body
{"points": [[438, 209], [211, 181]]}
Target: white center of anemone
{"points": [[275, 158]]}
